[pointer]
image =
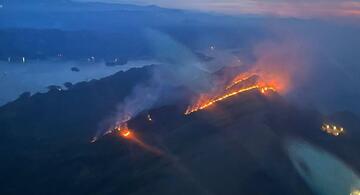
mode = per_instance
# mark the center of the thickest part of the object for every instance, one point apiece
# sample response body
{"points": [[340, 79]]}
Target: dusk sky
{"points": [[304, 8]]}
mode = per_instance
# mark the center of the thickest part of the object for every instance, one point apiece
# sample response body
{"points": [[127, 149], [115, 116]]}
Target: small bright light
{"points": [[93, 140], [149, 117]]}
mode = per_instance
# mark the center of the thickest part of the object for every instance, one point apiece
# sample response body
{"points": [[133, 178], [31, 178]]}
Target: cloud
{"points": [[318, 8], [286, 8]]}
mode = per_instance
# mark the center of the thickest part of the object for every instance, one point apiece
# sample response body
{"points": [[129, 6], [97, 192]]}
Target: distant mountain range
{"points": [[80, 15], [73, 5], [44, 29]]}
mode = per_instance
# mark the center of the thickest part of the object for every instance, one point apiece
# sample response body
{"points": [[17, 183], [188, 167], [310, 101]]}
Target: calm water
{"points": [[36, 76]]}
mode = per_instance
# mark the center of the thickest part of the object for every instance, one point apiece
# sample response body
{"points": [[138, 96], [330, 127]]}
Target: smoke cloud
{"points": [[282, 63], [179, 68], [314, 65]]}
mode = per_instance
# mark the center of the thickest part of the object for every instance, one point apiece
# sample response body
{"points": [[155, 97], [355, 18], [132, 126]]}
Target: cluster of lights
{"points": [[332, 130]]}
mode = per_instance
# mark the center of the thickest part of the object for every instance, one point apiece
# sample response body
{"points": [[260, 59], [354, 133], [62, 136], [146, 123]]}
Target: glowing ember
{"points": [[120, 127], [332, 129], [265, 89], [123, 130], [125, 133]]}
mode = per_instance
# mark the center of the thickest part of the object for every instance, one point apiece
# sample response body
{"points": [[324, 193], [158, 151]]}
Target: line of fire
{"points": [[241, 84]]}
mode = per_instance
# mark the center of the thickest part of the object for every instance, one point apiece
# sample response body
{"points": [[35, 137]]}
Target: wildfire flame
{"points": [[126, 133], [120, 126], [123, 130], [240, 78], [231, 90]]}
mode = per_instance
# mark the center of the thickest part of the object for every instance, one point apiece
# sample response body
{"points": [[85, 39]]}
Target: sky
{"points": [[294, 8]]}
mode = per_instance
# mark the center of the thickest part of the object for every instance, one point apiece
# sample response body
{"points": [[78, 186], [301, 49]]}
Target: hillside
{"points": [[233, 147]]}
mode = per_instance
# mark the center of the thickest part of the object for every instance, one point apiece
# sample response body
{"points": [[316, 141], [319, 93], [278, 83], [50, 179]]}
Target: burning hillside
{"points": [[240, 84]]}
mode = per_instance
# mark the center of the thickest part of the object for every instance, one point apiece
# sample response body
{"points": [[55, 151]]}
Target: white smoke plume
{"points": [[179, 67]]}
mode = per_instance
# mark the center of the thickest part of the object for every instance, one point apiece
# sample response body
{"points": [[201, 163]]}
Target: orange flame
{"points": [[123, 130], [126, 133], [135, 139], [240, 78], [202, 105], [268, 78], [205, 102], [129, 134]]}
